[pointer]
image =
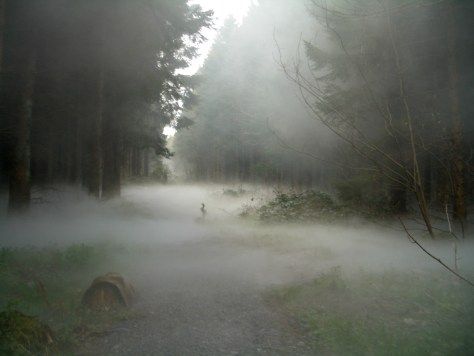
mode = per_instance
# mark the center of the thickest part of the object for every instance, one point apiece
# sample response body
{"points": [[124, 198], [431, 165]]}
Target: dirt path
{"points": [[195, 300], [200, 294], [201, 285]]}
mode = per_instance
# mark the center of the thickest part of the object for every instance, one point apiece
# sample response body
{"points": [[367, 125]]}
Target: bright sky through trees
{"points": [[222, 10]]}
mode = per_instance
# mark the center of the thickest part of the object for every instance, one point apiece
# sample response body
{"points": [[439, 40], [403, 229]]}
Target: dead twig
{"points": [[413, 240]]}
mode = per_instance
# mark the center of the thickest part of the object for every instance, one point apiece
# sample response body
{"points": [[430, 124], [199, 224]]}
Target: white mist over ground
{"points": [[200, 282], [170, 214]]}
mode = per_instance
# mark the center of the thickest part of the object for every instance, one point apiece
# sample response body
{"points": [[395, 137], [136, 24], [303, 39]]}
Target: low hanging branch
{"points": [[413, 240]]}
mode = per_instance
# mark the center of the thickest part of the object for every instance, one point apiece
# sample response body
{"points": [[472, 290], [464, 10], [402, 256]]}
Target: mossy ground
{"points": [[390, 313], [48, 283]]}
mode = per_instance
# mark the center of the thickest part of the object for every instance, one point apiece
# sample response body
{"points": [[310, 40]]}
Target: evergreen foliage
{"points": [[387, 88], [88, 87]]}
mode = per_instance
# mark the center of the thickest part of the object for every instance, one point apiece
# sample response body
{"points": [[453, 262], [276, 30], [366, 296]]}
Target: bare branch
{"points": [[437, 259], [283, 143]]}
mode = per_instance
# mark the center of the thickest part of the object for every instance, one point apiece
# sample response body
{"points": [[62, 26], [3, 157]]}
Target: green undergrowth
{"points": [[128, 210], [380, 314], [48, 283], [235, 193], [312, 205], [294, 207]]}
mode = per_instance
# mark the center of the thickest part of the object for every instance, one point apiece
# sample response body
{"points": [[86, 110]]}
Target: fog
{"points": [[158, 216], [200, 281], [314, 195]]}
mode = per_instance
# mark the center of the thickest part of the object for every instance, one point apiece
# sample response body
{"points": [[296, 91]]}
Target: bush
{"points": [[161, 172], [80, 255], [309, 205], [234, 192], [365, 195]]}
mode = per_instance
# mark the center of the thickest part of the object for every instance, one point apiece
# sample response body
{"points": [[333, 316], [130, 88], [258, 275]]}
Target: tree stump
{"points": [[108, 291]]}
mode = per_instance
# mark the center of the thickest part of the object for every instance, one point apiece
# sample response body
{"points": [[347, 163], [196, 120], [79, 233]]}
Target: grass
{"points": [[389, 313], [235, 193], [48, 283]]}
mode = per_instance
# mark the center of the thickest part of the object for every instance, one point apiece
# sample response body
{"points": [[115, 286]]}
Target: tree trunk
{"points": [[458, 168], [398, 198], [128, 154], [111, 149], [3, 118], [139, 162], [134, 162], [75, 148], [146, 162], [2, 31], [19, 190], [111, 159], [50, 159], [79, 148], [427, 178], [93, 165]]}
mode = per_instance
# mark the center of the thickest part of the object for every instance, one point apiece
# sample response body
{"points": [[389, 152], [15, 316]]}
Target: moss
{"points": [[49, 283], [22, 334]]}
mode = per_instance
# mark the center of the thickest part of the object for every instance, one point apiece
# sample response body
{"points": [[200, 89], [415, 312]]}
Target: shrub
{"points": [[79, 255], [161, 172], [363, 194], [234, 192], [309, 205]]}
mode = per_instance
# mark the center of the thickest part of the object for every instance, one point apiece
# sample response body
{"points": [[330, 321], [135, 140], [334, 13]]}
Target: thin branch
{"points": [[413, 240], [286, 145], [401, 8]]}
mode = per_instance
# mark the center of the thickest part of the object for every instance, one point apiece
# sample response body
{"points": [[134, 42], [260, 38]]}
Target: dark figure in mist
{"points": [[203, 210]]}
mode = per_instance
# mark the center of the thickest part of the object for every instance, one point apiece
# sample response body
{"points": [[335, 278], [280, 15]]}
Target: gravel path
{"points": [[202, 296], [201, 285], [194, 299]]}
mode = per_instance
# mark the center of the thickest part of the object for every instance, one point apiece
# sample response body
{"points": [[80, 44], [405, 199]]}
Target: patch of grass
{"points": [[381, 314], [48, 283], [235, 193], [249, 211], [281, 243], [129, 210], [20, 334]]}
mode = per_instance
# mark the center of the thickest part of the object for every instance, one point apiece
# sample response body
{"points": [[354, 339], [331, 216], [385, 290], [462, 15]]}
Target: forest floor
{"points": [[224, 285]]}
